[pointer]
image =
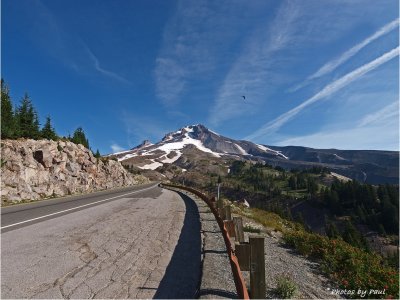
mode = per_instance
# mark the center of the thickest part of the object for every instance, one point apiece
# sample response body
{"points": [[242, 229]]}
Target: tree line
{"points": [[358, 203], [375, 206], [23, 122]]}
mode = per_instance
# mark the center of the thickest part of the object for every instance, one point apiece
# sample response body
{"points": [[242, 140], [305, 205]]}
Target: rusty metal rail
{"points": [[237, 274]]}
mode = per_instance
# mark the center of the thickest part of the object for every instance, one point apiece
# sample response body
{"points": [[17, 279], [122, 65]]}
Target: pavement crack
{"points": [[87, 255]]}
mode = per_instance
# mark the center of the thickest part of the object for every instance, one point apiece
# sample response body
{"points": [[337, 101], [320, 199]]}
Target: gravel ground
{"points": [[280, 260]]}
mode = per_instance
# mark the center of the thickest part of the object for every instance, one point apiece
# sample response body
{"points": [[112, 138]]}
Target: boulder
{"points": [[73, 168], [44, 157]]}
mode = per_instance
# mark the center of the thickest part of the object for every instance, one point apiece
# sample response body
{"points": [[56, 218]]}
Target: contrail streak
{"points": [[325, 92], [332, 65]]}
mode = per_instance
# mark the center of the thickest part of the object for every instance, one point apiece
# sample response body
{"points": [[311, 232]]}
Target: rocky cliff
{"points": [[32, 170]]}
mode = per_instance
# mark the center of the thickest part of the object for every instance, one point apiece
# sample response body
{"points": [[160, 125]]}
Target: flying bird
{"points": [[244, 97]]}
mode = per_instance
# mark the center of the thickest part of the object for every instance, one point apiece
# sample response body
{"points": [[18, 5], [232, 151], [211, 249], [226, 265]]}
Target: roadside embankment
{"points": [[34, 170]]}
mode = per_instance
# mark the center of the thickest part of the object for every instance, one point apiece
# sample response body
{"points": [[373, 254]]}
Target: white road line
{"points": [[62, 211]]}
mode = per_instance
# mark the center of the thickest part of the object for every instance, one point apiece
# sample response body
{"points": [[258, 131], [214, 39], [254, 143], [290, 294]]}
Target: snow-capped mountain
{"points": [[196, 147], [189, 139]]}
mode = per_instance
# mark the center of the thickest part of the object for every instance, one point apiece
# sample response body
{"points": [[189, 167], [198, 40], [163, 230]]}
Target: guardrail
{"points": [[237, 274]]}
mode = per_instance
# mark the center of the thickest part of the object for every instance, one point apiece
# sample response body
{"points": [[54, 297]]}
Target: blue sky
{"points": [[323, 74]]}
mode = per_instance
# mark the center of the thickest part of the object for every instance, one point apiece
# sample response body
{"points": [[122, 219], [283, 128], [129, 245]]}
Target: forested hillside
{"points": [[364, 215]]}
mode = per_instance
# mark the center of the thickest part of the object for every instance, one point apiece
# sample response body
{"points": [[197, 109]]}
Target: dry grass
{"points": [[270, 220]]}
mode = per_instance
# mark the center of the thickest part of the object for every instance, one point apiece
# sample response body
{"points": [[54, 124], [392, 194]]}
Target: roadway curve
{"points": [[137, 243]]}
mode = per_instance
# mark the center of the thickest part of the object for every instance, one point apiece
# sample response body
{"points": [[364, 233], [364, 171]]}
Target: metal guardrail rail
{"points": [[237, 274]]}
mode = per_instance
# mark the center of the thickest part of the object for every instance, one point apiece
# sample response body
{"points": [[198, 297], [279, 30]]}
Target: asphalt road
{"points": [[122, 244], [21, 215]]}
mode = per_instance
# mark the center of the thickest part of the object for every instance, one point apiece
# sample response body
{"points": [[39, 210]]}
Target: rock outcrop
{"points": [[32, 170]]}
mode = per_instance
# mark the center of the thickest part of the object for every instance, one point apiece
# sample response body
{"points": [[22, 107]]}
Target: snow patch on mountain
{"points": [[173, 159], [122, 152], [154, 165], [278, 153], [242, 151], [339, 157], [130, 155], [187, 140]]}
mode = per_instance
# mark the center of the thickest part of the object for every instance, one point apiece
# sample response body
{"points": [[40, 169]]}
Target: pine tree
{"points": [[331, 230], [48, 131], [312, 186], [352, 236], [80, 138], [7, 114], [27, 119], [390, 217], [360, 213], [293, 182], [97, 154]]}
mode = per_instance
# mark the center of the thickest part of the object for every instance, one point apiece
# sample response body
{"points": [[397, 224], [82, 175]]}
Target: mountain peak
{"points": [[194, 140], [144, 144], [193, 130]]}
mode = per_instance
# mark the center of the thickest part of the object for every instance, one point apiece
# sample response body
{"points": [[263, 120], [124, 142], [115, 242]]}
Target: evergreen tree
{"points": [[293, 182], [48, 131], [98, 155], [331, 230], [352, 236], [27, 119], [333, 202], [390, 217], [79, 137], [312, 186], [361, 214], [7, 114]]}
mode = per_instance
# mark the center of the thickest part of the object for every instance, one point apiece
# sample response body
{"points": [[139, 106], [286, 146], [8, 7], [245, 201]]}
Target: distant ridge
{"points": [[196, 142]]}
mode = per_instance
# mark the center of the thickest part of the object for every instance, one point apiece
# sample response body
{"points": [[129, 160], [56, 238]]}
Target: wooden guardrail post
{"points": [[230, 227], [239, 234], [228, 213], [257, 268], [221, 213], [242, 251]]}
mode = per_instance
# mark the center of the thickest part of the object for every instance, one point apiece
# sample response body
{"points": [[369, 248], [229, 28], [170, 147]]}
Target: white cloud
{"points": [[328, 90], [196, 41], [251, 75], [333, 64], [186, 49], [372, 137], [66, 46], [116, 148], [381, 116], [101, 70], [170, 80]]}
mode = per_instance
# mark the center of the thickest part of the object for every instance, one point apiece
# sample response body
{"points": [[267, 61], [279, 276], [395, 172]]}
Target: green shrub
{"points": [[349, 266], [286, 288]]}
